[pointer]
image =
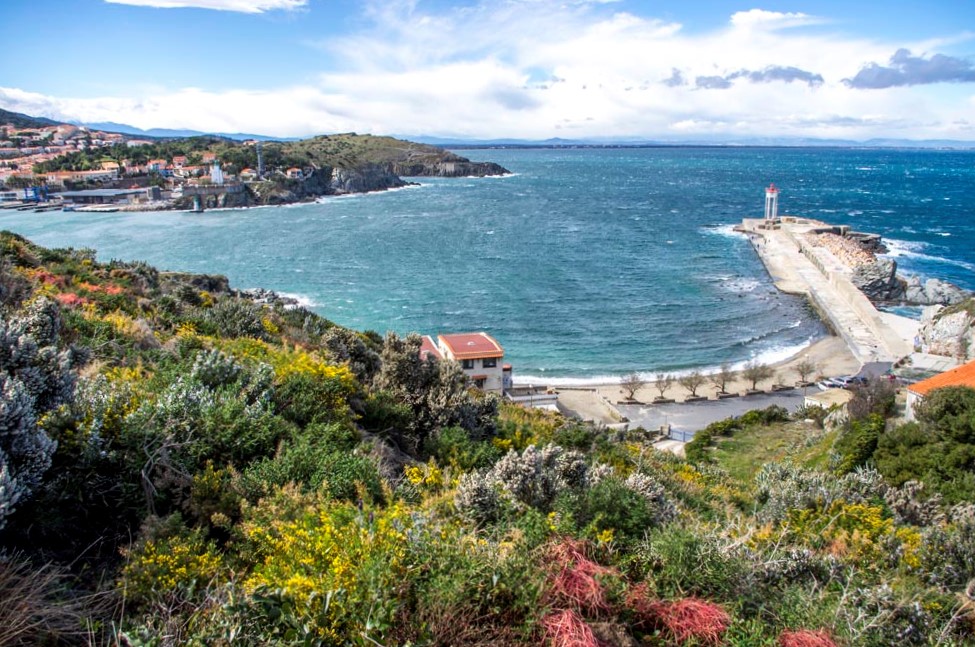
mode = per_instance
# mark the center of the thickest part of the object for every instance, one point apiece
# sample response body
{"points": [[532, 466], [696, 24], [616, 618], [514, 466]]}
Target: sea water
{"points": [[585, 264]]}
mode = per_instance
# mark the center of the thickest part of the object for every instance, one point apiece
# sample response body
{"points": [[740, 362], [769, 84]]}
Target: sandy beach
{"points": [[830, 355]]}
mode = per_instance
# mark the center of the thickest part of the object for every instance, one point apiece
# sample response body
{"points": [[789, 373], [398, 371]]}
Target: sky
{"points": [[488, 69]]}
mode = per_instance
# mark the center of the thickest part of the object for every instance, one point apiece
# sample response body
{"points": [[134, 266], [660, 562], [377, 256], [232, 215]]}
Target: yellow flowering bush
{"points": [[169, 567], [338, 566], [426, 477]]}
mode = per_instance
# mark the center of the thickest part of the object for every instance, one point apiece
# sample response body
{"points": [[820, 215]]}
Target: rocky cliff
{"points": [[949, 331], [325, 181]]}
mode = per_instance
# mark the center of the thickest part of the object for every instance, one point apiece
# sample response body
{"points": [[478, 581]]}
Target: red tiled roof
{"points": [[429, 349], [472, 345], [962, 376]]}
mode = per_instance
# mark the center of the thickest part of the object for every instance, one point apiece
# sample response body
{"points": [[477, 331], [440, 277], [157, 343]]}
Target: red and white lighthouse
{"points": [[771, 203]]}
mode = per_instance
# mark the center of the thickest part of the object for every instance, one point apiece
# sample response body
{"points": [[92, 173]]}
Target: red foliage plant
{"points": [[567, 629], [689, 618], [70, 299], [575, 578], [805, 638]]}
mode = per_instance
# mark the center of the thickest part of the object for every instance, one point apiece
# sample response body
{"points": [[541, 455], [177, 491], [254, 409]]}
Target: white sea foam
{"points": [[304, 301], [912, 249], [740, 284], [728, 231]]}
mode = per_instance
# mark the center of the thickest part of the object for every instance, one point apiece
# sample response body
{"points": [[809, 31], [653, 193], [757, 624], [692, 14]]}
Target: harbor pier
{"points": [[797, 265]]}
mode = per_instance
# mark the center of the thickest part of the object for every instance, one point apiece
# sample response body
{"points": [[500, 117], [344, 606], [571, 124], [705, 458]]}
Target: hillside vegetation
{"points": [[184, 464], [346, 151]]}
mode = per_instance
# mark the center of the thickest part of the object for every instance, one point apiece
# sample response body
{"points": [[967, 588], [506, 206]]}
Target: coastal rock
{"points": [[212, 283], [949, 331], [933, 292], [878, 280], [450, 166], [363, 179]]}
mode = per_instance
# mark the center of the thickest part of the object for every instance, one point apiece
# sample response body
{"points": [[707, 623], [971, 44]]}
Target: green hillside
{"points": [[182, 463], [24, 121]]}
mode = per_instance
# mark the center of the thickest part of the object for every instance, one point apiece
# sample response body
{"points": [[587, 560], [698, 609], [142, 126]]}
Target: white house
{"points": [[479, 355]]}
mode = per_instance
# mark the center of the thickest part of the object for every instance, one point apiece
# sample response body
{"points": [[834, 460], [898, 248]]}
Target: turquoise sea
{"points": [[584, 264]]}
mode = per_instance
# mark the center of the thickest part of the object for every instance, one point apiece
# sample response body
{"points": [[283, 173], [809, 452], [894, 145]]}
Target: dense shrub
{"points": [[315, 461], [35, 378], [454, 447], [233, 317], [855, 445], [939, 449]]}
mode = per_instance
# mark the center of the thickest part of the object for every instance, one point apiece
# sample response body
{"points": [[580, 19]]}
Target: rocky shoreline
{"points": [[333, 181]]}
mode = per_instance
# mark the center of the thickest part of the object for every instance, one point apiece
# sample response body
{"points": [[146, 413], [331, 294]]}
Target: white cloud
{"points": [[243, 6], [537, 69], [771, 19]]}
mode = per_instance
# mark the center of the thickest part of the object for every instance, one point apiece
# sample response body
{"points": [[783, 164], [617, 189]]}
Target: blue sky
{"points": [[499, 68]]}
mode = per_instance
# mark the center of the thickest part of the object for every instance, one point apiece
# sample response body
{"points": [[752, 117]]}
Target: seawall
{"points": [[797, 266]]}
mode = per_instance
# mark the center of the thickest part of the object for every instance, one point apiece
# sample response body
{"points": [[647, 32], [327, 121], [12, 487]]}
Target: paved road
{"points": [[698, 415]]}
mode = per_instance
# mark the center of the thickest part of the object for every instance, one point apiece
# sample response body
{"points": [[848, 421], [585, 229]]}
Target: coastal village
{"points": [[46, 167], [126, 177]]}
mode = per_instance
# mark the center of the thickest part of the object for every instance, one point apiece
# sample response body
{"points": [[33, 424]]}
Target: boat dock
{"points": [[797, 266]]}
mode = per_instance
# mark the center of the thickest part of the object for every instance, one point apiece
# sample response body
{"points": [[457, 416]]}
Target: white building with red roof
{"points": [[961, 376], [479, 355]]}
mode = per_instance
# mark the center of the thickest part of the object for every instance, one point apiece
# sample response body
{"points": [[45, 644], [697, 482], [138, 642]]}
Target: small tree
{"points": [[631, 384], [805, 367], [876, 397], [722, 377], [663, 381], [756, 371], [692, 382]]}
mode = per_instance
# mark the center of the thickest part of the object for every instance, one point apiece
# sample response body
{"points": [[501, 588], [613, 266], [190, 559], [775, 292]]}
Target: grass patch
{"points": [[744, 453]]}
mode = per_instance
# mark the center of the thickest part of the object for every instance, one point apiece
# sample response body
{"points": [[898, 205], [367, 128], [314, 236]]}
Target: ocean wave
{"points": [[912, 249], [727, 231], [732, 283], [304, 301]]}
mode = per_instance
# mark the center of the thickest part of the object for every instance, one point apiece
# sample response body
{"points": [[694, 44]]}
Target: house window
{"points": [[490, 362], [467, 363], [479, 383]]}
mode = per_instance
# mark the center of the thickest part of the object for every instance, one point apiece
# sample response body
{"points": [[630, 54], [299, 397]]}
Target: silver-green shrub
{"points": [[784, 486], [35, 377], [531, 479], [649, 488]]}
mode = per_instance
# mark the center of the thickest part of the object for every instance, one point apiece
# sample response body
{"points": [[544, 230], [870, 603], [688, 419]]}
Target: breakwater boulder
{"points": [[878, 280]]}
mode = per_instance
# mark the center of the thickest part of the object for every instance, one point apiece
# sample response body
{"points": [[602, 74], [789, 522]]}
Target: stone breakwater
{"points": [[799, 263], [847, 251]]}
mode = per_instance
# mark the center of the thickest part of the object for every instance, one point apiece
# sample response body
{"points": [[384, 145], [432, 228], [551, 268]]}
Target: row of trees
{"points": [[754, 372]]}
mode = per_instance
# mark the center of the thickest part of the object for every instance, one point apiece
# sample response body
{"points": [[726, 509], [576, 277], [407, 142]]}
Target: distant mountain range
{"points": [[795, 142], [170, 133], [27, 121]]}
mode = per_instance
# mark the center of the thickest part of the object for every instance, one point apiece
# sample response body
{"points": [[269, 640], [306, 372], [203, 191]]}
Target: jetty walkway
{"points": [[797, 266]]}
